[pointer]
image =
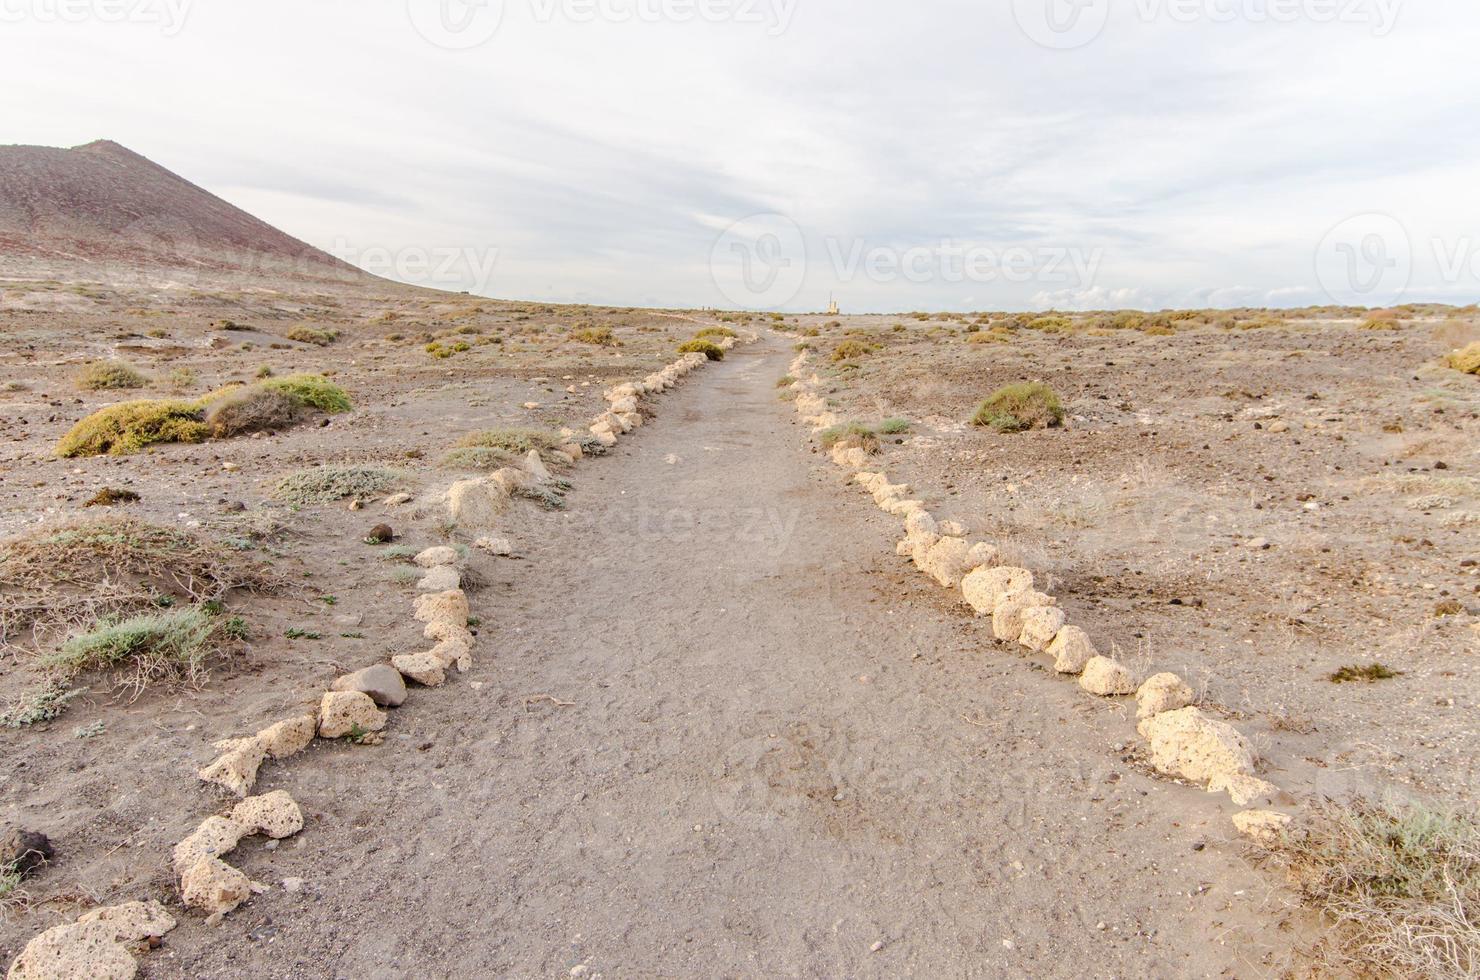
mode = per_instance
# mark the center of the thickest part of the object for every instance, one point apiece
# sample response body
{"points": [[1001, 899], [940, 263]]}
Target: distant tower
{"points": [[832, 305]]}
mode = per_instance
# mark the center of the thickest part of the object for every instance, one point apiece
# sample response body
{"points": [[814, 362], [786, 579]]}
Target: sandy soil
{"points": [[1351, 453], [717, 728]]}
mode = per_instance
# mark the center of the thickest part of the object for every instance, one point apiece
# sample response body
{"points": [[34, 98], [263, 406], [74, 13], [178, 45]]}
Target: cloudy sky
{"points": [[929, 154]]}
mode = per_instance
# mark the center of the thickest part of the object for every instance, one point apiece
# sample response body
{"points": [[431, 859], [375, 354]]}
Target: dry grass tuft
{"points": [[111, 376], [850, 435], [1019, 407], [59, 578], [1402, 884], [167, 646], [326, 484], [313, 335], [254, 409], [596, 336]]}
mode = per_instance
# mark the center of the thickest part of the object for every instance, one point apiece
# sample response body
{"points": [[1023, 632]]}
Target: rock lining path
{"points": [[721, 730]]}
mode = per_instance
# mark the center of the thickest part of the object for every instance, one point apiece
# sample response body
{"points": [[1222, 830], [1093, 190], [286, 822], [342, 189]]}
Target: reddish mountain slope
{"points": [[106, 204]]}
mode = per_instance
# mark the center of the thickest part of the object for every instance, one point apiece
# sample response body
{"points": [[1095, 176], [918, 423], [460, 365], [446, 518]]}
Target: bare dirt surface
{"points": [[719, 730], [1253, 509]]}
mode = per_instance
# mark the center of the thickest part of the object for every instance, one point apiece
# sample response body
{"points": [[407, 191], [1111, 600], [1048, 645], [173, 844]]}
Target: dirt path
{"points": [[781, 753]]}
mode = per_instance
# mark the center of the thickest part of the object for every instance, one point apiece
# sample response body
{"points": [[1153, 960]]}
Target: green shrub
{"points": [[156, 646], [894, 426], [710, 350], [313, 335], [254, 409], [850, 435], [1019, 407], [785, 381], [1050, 324], [312, 391], [1466, 360], [326, 484], [514, 441], [850, 349], [110, 376], [479, 458], [130, 426], [597, 336], [715, 332]]}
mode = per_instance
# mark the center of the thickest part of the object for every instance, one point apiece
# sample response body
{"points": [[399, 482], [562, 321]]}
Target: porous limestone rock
{"points": [[343, 712], [236, 768], [1107, 678], [1162, 692], [1263, 826], [920, 523], [1007, 618], [632, 420], [1242, 788], [274, 814], [443, 578], [1071, 650], [423, 668], [477, 503], [1040, 626], [920, 545], [214, 838], [1188, 744], [622, 406], [95, 947], [447, 607], [607, 438], [953, 529], [382, 682], [985, 587], [288, 738], [215, 887], [948, 561], [501, 547], [439, 555], [981, 554], [904, 508]]}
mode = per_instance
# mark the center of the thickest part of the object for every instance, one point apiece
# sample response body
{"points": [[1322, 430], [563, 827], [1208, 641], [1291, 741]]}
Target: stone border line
{"points": [[1185, 743], [101, 942]]}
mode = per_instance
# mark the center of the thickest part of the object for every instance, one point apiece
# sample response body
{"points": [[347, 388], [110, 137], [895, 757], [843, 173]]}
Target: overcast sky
{"points": [[902, 154]]}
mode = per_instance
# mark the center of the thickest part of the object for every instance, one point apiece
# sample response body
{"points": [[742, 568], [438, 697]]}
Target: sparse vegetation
{"points": [[1402, 884], [1020, 407], [1466, 359], [894, 426], [850, 349], [709, 349], [111, 376], [850, 435], [313, 335], [253, 409], [326, 484], [129, 427], [172, 646], [596, 336], [113, 567], [109, 497], [1369, 674], [312, 391], [41, 705], [511, 442], [785, 381], [715, 332]]}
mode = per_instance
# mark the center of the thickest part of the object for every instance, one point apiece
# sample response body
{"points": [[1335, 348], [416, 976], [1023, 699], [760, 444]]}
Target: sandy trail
{"points": [[782, 753]]}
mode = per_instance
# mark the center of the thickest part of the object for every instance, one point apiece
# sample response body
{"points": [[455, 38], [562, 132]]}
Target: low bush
{"points": [[710, 350], [110, 376], [785, 381], [513, 441], [326, 484], [715, 332], [850, 349], [596, 336], [850, 435], [313, 335], [157, 646], [993, 336], [894, 426], [130, 426], [311, 391], [1019, 407], [254, 409], [1401, 882], [1466, 360]]}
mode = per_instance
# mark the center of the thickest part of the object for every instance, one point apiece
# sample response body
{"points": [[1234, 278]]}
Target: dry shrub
{"points": [[850, 349], [326, 484], [130, 426], [1019, 407], [710, 350], [110, 376], [313, 335], [1402, 884], [1466, 360], [715, 332], [850, 435], [514, 441], [597, 336], [166, 646], [254, 409], [92, 569]]}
